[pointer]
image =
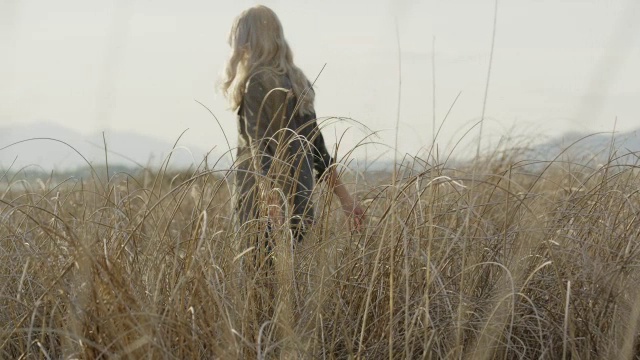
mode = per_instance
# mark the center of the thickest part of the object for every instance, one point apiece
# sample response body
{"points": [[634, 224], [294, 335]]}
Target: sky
{"points": [[142, 66]]}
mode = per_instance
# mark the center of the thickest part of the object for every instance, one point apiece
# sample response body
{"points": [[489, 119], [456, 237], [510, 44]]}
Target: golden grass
{"points": [[510, 261]]}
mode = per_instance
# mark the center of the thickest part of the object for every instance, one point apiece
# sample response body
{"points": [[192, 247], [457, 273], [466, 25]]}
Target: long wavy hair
{"points": [[257, 43]]}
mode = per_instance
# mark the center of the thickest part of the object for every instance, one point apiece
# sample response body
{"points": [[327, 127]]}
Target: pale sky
{"points": [[139, 66]]}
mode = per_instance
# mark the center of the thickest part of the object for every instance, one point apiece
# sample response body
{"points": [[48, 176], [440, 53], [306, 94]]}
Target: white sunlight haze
{"points": [[139, 66]]}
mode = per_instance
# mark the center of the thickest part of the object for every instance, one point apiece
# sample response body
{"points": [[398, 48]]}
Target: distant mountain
{"points": [[137, 150], [584, 147], [621, 148], [50, 147]]}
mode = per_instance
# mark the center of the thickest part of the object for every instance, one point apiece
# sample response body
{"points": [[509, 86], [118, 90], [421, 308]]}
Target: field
{"points": [[501, 258]]}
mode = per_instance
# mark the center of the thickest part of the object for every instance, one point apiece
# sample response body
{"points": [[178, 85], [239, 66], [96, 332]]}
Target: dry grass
{"points": [[510, 261]]}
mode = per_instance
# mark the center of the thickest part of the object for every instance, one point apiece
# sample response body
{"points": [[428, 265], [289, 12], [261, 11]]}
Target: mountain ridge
{"points": [[56, 147]]}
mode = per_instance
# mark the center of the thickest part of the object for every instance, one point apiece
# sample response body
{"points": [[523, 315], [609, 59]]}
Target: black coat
{"points": [[278, 150]]}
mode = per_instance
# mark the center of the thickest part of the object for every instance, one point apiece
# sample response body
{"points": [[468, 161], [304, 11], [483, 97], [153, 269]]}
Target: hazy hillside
{"points": [[583, 148], [134, 150], [124, 148], [592, 147]]}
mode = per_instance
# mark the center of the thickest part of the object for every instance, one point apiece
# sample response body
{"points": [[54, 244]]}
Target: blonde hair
{"points": [[257, 43]]}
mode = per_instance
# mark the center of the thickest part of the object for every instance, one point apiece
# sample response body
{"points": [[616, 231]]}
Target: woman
{"points": [[280, 144]]}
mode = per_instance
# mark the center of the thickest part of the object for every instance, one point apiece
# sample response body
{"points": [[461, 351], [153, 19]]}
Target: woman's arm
{"points": [[350, 206], [323, 164]]}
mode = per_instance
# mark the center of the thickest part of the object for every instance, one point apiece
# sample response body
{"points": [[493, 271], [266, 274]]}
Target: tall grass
{"points": [[520, 259]]}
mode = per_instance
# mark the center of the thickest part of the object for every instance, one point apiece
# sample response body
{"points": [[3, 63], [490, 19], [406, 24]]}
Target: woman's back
{"points": [[278, 148]]}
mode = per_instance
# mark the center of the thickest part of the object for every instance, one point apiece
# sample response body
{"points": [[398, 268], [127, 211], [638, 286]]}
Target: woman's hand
{"points": [[274, 210], [275, 215], [355, 213], [351, 208]]}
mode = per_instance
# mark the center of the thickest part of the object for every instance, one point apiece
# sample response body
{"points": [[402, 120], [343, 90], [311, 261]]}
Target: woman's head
{"points": [[257, 42]]}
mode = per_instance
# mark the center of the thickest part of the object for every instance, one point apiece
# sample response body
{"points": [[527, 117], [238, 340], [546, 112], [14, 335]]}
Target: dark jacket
{"points": [[278, 150]]}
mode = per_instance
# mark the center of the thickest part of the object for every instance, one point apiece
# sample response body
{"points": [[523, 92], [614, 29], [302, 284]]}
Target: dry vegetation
{"points": [[510, 260]]}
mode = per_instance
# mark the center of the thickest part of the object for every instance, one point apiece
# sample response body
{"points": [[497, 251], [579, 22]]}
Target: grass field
{"points": [[496, 259]]}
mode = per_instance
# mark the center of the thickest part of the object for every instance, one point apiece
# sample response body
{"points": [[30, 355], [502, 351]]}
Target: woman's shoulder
{"points": [[268, 78]]}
